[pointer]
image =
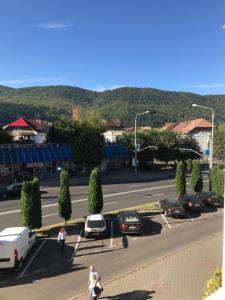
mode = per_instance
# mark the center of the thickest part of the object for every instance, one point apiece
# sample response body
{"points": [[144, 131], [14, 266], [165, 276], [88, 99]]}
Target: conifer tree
{"points": [[189, 165], [95, 198], [196, 177], [26, 204], [36, 207], [180, 179], [64, 200]]}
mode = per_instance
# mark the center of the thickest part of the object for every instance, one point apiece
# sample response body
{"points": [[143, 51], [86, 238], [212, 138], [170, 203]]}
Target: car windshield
{"points": [[194, 199], [96, 223], [174, 204]]}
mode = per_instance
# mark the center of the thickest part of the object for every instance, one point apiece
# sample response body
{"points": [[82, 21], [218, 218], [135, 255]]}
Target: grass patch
{"points": [[47, 230]]}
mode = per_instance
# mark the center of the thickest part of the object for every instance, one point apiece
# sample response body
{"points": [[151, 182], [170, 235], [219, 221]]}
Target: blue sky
{"points": [[102, 44]]}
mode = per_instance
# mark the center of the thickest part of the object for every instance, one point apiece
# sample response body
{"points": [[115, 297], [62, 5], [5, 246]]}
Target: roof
{"points": [[51, 152], [113, 124], [10, 234], [21, 122], [187, 126]]}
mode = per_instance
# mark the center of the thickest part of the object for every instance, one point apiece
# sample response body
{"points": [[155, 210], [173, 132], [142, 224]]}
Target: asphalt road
{"points": [[115, 196], [56, 276]]}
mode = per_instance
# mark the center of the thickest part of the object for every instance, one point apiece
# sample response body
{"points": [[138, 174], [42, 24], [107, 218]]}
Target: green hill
{"points": [[51, 102]]}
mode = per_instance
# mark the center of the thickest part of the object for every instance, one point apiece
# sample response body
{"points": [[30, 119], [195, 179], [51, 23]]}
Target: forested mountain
{"points": [[52, 102]]}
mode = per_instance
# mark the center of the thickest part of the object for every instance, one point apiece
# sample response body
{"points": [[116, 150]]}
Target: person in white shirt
{"points": [[61, 238], [94, 281]]}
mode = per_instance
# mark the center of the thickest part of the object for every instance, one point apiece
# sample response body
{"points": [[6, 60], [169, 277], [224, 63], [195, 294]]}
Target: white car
{"points": [[15, 243], [94, 225]]}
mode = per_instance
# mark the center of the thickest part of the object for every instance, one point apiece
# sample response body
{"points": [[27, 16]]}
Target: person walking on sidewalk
{"points": [[94, 283], [61, 238]]}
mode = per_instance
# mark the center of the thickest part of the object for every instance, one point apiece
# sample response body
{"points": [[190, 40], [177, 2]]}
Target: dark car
{"points": [[130, 222], [11, 191], [211, 198], [171, 207], [192, 202]]}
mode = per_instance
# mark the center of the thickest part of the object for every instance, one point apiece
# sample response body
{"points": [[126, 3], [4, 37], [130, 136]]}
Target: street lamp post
{"points": [[211, 144], [135, 139]]}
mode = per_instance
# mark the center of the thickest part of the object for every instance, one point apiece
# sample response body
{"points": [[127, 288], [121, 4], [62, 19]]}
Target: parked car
{"points": [[211, 198], [192, 202], [130, 222], [11, 191], [171, 207], [94, 225], [15, 243]]}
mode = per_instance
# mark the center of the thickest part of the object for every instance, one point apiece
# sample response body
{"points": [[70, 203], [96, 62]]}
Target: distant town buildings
{"points": [[24, 131], [114, 130], [199, 129]]}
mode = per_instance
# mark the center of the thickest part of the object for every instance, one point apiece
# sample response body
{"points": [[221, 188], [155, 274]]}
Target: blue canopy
{"points": [[48, 153]]}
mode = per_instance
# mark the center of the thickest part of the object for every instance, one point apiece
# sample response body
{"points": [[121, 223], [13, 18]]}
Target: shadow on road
{"points": [[134, 295], [49, 263]]}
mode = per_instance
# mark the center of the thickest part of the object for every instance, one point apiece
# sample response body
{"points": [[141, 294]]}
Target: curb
{"points": [[150, 263]]}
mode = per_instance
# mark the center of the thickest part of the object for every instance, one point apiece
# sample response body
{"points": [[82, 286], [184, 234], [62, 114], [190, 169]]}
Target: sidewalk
{"points": [[114, 177], [177, 276]]}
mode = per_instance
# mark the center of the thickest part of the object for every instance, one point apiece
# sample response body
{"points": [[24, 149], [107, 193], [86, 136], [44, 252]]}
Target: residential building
{"points": [[199, 129], [114, 130], [26, 131]]}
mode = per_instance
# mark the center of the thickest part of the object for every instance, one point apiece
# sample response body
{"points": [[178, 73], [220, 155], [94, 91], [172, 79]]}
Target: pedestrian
{"points": [[61, 238], [94, 283]]}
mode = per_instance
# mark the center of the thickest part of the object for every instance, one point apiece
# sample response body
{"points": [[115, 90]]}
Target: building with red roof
{"points": [[114, 130], [25, 131], [199, 129]]}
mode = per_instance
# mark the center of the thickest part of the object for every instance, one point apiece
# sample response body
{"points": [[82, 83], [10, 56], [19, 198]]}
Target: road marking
{"points": [[32, 259], [109, 203], [166, 221], [134, 238], [105, 196], [156, 195], [111, 235], [77, 245], [45, 216], [135, 185]]}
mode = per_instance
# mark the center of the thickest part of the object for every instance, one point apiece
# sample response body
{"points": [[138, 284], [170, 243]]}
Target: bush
{"points": [[180, 179], [214, 178], [36, 207], [213, 283], [64, 201], [189, 165], [95, 198], [196, 177], [26, 204]]}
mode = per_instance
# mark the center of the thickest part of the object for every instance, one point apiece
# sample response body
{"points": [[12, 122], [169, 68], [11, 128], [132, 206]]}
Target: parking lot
{"points": [[122, 252]]}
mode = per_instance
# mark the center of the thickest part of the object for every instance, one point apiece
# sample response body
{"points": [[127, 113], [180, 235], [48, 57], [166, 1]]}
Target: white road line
{"points": [[45, 216], [105, 196], [32, 259], [109, 203], [135, 185], [77, 245], [166, 221], [111, 235], [156, 195], [134, 238]]}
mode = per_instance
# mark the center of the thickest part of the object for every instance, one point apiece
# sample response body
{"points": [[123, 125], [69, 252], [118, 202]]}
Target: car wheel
{"points": [[86, 234]]}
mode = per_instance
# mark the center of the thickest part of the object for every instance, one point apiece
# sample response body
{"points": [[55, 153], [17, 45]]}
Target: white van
{"points": [[15, 243]]}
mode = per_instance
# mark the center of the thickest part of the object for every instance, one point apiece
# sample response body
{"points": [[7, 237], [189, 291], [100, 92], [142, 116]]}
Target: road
{"points": [[115, 196], [57, 276]]}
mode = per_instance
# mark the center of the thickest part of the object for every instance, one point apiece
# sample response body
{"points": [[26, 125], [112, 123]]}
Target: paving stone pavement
{"points": [[178, 276]]}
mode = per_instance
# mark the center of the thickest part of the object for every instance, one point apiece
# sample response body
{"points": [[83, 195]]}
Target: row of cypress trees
{"points": [[30, 203], [196, 178]]}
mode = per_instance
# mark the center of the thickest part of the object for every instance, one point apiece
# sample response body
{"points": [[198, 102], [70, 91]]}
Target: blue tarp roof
{"points": [[41, 154]]}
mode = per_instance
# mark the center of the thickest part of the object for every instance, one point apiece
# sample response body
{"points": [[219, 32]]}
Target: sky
{"points": [[174, 45]]}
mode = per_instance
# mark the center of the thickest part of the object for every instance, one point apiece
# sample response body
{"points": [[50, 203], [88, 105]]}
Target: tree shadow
{"points": [[134, 295]]}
